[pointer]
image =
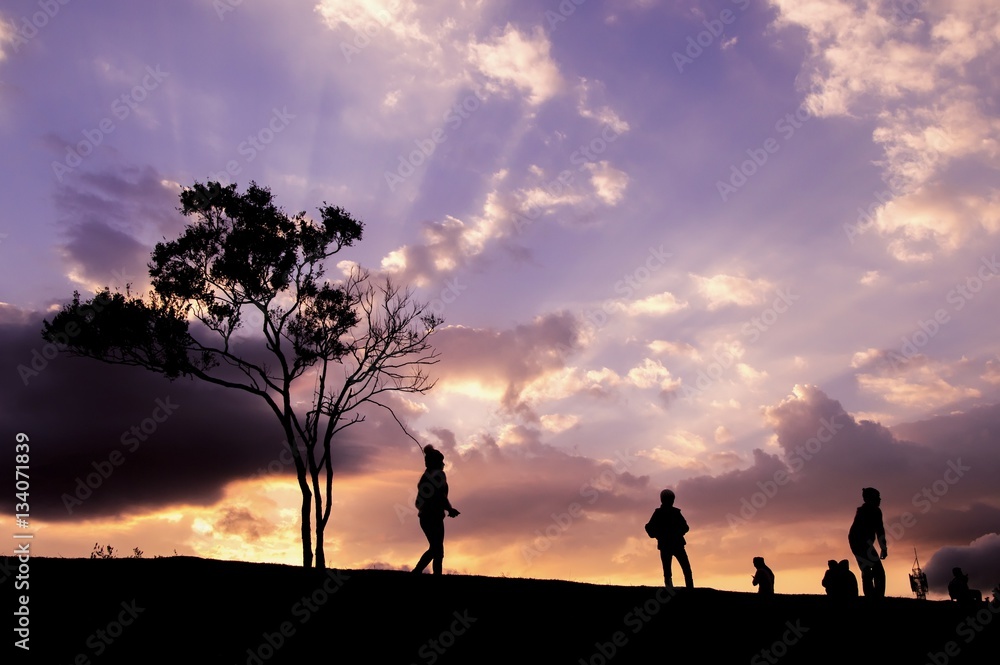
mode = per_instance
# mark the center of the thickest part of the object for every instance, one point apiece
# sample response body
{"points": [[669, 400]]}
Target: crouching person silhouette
{"points": [[432, 504], [839, 581], [668, 526], [958, 589]]}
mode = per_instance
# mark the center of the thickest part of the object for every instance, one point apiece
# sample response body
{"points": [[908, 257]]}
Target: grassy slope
{"points": [[206, 611]]}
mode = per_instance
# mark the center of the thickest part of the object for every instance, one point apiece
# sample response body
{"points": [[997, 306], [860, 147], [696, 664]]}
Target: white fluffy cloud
{"points": [[520, 60], [609, 183], [7, 36], [721, 290], [920, 71]]}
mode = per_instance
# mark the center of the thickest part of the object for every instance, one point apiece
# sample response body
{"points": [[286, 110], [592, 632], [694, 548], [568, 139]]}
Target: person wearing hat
{"points": [[865, 531], [432, 504]]}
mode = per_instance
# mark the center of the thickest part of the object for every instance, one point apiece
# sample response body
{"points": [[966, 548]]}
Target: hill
{"points": [[189, 610]]}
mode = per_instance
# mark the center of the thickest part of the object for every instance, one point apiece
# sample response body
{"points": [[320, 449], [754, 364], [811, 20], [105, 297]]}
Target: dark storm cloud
{"points": [[93, 246], [111, 219], [157, 442], [979, 559], [941, 489]]}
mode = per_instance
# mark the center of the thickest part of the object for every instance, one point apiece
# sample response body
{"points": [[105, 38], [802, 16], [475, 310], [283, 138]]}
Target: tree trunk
{"points": [[307, 554], [305, 515], [320, 551], [320, 554]]}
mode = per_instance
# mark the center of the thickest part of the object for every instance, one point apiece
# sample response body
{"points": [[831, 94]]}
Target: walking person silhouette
{"points": [[432, 504], [865, 531]]}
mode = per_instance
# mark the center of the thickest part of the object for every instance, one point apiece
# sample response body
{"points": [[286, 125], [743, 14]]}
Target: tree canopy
{"points": [[355, 339]]}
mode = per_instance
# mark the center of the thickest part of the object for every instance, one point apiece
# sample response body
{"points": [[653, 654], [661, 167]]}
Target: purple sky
{"points": [[685, 244]]}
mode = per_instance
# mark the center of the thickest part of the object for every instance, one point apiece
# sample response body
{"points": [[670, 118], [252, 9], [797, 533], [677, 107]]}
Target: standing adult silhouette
{"points": [[763, 579], [866, 529], [668, 526], [432, 504]]}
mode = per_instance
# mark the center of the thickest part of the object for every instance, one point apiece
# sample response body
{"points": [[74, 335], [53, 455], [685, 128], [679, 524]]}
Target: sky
{"points": [[743, 249]]}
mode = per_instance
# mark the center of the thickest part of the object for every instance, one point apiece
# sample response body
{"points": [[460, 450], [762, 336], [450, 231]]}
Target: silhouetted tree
{"points": [[354, 340]]}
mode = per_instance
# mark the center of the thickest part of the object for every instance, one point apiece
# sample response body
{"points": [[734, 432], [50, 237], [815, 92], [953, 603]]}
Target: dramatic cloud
{"points": [[818, 445], [920, 71], [127, 441], [551, 189], [517, 357], [980, 560]]}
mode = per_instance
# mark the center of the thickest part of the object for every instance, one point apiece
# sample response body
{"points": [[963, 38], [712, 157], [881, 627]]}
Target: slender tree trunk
{"points": [[318, 498], [305, 515], [307, 555], [322, 517], [320, 552]]}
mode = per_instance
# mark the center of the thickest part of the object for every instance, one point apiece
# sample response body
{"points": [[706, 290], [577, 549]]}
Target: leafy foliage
{"points": [[241, 255]]}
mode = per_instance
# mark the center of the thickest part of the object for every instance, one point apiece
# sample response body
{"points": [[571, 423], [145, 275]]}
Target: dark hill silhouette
{"points": [[189, 610]]}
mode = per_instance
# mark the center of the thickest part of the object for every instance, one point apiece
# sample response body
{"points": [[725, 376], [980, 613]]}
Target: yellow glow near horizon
{"points": [[374, 523]]}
